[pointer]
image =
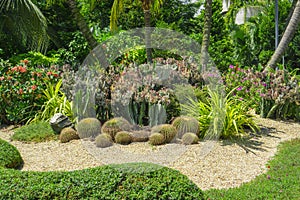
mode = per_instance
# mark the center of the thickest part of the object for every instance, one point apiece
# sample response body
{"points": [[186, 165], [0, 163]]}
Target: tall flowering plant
{"points": [[21, 91]]}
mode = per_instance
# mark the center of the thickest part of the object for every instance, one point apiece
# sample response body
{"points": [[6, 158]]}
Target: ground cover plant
{"points": [[126, 181], [39, 131], [280, 182]]}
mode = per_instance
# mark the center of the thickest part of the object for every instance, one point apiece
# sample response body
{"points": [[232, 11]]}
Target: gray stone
{"points": [[60, 121]]}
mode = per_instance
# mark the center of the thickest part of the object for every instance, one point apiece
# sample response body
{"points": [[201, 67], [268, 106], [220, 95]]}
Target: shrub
{"points": [[190, 138], [103, 140], [115, 125], [68, 134], [10, 157], [39, 131], [88, 128], [156, 139], [167, 130], [123, 137], [126, 181], [185, 124], [21, 89]]}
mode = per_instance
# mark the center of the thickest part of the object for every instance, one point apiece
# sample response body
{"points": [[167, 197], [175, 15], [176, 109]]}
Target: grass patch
{"points": [[9, 156], [40, 131], [282, 181], [126, 181]]}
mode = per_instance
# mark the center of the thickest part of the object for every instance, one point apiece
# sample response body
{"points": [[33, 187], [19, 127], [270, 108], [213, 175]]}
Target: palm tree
{"points": [[147, 5], [206, 33], [24, 20], [287, 36], [81, 23]]}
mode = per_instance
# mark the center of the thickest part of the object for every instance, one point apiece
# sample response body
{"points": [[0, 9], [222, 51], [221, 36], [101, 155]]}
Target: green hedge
{"points": [[126, 181], [9, 156]]}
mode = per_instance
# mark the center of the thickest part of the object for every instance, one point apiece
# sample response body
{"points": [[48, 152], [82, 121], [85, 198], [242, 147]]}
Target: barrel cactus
{"points": [[68, 134], [103, 141], [123, 137], [115, 125], [156, 139], [167, 130], [88, 128], [190, 138], [185, 124]]}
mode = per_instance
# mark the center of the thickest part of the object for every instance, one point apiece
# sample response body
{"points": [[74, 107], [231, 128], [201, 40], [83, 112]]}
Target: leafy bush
{"points": [[21, 91], [220, 116], [126, 181], [10, 157], [39, 131], [36, 59]]}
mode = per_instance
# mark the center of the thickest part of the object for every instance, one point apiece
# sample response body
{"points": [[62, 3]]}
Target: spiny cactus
{"points": [[88, 128], [167, 130], [123, 137], [190, 138], [156, 139], [68, 134], [185, 124], [115, 125], [103, 141]]}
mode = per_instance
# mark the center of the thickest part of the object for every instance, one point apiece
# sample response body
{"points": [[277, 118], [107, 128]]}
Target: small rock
{"points": [[60, 121]]}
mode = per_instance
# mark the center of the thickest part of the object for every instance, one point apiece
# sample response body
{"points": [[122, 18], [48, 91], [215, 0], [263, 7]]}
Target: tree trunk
{"points": [[287, 37], [147, 18], [206, 34], [87, 34]]}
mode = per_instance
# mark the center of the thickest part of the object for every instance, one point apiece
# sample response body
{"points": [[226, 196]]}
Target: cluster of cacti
{"points": [[123, 137], [68, 134], [186, 124], [190, 138], [103, 140], [167, 130], [115, 125], [88, 128], [156, 139]]}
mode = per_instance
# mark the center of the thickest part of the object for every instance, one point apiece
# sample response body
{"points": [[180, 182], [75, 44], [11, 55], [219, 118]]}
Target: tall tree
{"points": [[206, 34], [23, 19], [147, 5], [81, 23], [287, 36]]}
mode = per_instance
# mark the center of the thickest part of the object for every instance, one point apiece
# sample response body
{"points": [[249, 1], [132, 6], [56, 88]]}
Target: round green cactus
{"points": [[123, 137], [88, 128], [68, 134], [115, 125], [167, 130], [190, 138], [156, 139], [185, 124], [103, 140]]}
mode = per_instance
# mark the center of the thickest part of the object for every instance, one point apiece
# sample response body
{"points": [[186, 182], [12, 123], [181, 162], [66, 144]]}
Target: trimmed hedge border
{"points": [[10, 157], [125, 181]]}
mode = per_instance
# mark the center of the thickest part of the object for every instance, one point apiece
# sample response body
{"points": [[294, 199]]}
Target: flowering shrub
{"points": [[21, 89], [274, 94]]}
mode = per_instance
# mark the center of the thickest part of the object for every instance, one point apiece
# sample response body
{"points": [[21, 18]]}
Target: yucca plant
{"points": [[57, 102]]}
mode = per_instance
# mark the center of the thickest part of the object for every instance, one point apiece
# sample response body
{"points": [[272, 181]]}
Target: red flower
{"points": [[20, 91], [22, 69], [32, 79], [49, 73], [14, 69], [55, 75], [25, 61], [39, 74], [9, 78], [1, 78], [33, 87]]}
